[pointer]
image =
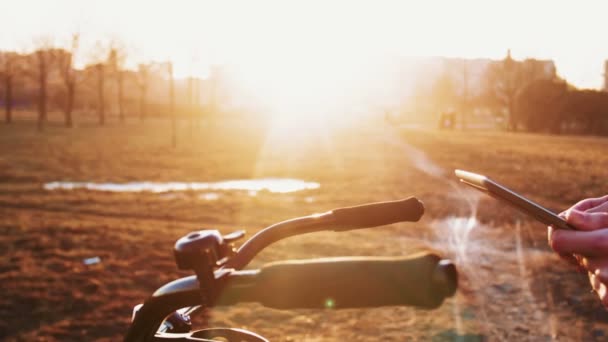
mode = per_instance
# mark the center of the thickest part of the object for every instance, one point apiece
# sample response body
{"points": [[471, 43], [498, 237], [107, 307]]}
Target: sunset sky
{"points": [[257, 35]]}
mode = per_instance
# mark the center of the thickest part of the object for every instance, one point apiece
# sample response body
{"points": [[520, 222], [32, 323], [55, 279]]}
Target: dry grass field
{"points": [[513, 288]]}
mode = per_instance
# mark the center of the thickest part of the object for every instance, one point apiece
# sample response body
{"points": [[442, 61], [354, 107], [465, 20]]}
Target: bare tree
{"points": [[97, 59], [193, 89], [502, 81], [116, 60], [172, 104], [9, 68], [68, 76], [143, 78], [464, 107], [443, 91], [213, 89], [197, 101], [44, 58], [100, 71], [191, 103]]}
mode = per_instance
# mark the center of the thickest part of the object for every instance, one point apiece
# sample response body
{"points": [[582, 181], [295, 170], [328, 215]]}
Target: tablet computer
{"points": [[485, 184]]}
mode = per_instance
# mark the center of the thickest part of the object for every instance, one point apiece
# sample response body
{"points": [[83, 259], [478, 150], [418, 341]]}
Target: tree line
{"points": [[47, 80], [525, 95]]}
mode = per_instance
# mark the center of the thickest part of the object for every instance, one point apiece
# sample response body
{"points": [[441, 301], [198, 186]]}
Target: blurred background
{"points": [[126, 124]]}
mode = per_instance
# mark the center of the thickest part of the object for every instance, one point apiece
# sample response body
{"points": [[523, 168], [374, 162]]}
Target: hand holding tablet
{"points": [[585, 245], [526, 206]]}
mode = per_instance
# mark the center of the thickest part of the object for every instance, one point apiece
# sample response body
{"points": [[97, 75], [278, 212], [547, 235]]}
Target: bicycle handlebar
{"points": [[377, 214], [422, 280], [341, 219]]}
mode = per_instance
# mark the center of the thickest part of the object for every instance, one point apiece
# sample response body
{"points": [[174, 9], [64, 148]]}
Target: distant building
{"points": [[471, 71]]}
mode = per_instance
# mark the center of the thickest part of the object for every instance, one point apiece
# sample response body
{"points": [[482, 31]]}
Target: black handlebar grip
{"points": [[422, 280], [378, 214]]}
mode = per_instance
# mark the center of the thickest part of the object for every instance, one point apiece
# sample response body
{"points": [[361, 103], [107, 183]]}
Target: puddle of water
{"points": [[275, 185]]}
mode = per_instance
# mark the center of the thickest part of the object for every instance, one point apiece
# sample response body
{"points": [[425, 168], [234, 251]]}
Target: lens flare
{"points": [[330, 303]]}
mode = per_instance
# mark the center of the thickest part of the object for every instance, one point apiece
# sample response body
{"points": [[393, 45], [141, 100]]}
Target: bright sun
{"points": [[302, 84]]}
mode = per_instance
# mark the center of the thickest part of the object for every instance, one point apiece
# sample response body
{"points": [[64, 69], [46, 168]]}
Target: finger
{"points": [[590, 203], [567, 257], [550, 231], [602, 274], [602, 293], [594, 281], [599, 288], [599, 209], [597, 266], [587, 220], [588, 243]]}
